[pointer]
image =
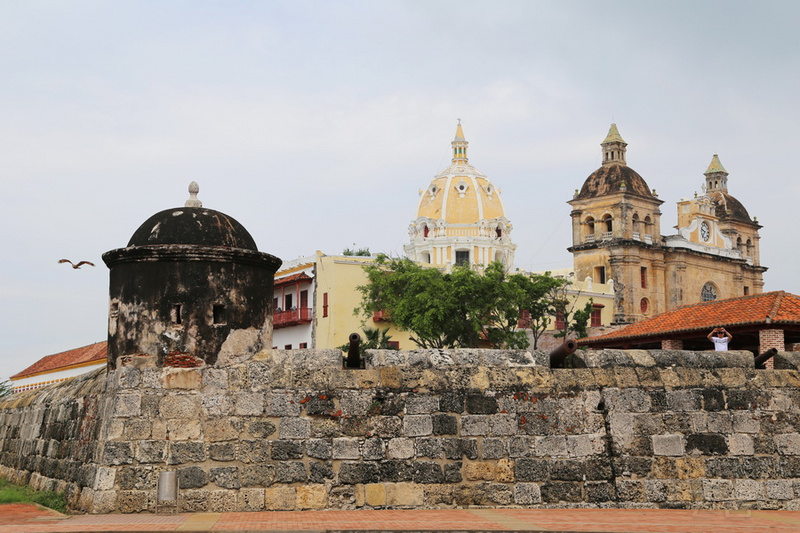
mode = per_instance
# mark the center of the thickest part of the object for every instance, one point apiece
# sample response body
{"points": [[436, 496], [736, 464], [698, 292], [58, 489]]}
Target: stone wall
{"points": [[293, 430]]}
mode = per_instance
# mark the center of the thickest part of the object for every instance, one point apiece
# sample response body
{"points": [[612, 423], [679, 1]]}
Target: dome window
{"points": [[462, 187], [425, 231], [708, 293]]}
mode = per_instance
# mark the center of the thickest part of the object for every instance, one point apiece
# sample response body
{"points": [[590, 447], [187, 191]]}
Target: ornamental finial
{"points": [[194, 188]]}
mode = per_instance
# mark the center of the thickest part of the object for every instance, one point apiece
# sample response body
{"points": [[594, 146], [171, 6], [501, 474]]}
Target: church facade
{"points": [[616, 237]]}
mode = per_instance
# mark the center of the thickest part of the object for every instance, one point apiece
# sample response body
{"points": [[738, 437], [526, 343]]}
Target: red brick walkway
{"points": [[27, 518]]}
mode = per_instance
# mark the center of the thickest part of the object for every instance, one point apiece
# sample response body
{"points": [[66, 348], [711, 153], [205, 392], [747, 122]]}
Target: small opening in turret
{"points": [[176, 314], [219, 314]]}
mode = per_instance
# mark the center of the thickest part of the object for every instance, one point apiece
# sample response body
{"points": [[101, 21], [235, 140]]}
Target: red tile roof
{"points": [[294, 278], [777, 307], [94, 353]]}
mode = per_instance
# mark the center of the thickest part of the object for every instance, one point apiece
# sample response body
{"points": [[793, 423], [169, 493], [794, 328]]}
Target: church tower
{"points": [[460, 219], [616, 234]]}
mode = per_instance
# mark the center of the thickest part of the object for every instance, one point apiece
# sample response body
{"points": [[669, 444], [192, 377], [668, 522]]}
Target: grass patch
{"points": [[10, 493]]}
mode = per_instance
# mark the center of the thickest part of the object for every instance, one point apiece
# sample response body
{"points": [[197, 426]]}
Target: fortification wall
{"points": [[293, 430]]}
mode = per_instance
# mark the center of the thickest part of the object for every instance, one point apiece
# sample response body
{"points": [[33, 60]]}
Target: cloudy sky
{"points": [[315, 124]]}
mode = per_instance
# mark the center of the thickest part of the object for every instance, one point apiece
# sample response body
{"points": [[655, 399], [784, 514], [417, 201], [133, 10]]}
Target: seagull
{"points": [[74, 265]]}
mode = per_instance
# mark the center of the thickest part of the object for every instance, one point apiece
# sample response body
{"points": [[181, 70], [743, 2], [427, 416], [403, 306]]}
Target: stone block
{"points": [[717, 490], [422, 405], [531, 469], [522, 446], [178, 406], [186, 452], [151, 451], [493, 448], [281, 404], [225, 477], [477, 471], [561, 491], [311, 497], [254, 451], [746, 423], [128, 405], [183, 429], [457, 448], [214, 378], [248, 403], [134, 501], [426, 472], [474, 425], [580, 445], [374, 449], [290, 472], [600, 491], [404, 495], [295, 428], [779, 489], [553, 446], [417, 425], [527, 493], [655, 490], [117, 453], [401, 448], [217, 404], [706, 444], [345, 448], [671, 445], [788, 444], [257, 475], [220, 429], [740, 444], [222, 451], [137, 429], [255, 499], [319, 448], [748, 490], [192, 477], [222, 501], [104, 479], [683, 400], [444, 424], [179, 378], [359, 473], [503, 424]]}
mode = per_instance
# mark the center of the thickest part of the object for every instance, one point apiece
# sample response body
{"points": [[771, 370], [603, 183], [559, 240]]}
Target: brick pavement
{"points": [[28, 518]]}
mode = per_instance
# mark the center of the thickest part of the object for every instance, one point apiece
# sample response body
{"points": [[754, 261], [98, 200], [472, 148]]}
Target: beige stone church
{"points": [[616, 235]]}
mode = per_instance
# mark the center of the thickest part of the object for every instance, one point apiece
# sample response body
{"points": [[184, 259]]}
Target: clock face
{"points": [[705, 231]]}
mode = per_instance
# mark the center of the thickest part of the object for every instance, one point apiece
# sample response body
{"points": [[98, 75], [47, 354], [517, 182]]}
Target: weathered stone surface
{"points": [[192, 477]]}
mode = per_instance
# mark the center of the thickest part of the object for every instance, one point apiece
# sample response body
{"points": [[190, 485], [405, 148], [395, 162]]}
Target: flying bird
{"points": [[74, 265]]}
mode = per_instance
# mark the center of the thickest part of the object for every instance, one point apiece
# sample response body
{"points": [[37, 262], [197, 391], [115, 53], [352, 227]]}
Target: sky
{"points": [[316, 123]]}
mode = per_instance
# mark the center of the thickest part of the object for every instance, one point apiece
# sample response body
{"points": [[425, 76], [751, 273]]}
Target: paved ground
{"points": [[28, 518]]}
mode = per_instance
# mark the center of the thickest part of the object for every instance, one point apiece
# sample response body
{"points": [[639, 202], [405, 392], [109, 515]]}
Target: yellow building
{"points": [[314, 299], [616, 235], [460, 218]]}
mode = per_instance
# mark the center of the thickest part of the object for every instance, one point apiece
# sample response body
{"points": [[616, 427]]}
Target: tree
{"points": [[374, 339], [454, 309], [564, 307], [5, 388]]}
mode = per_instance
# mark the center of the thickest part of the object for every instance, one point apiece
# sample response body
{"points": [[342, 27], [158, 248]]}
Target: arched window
{"points": [[425, 231], [636, 226], [498, 232], [708, 293], [589, 230], [739, 245], [608, 223], [749, 246]]}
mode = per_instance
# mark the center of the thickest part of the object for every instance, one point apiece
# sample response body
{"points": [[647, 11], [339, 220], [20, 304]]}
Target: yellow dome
{"points": [[460, 194]]}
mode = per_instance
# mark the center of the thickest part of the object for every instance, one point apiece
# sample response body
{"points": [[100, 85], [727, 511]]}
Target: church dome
{"points": [[729, 208], [195, 225], [460, 194], [614, 178], [615, 175]]}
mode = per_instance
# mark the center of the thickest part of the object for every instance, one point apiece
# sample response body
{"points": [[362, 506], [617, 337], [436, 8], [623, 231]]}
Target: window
{"points": [[394, 345], [600, 274], [425, 231], [644, 277], [287, 302], [287, 346], [462, 258], [325, 304], [746, 290], [708, 293], [303, 345], [275, 306], [219, 314], [644, 305], [175, 314], [608, 222], [561, 322], [597, 316], [498, 232]]}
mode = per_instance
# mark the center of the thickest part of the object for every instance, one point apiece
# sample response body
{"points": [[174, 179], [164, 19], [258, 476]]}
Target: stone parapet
{"points": [[294, 430]]}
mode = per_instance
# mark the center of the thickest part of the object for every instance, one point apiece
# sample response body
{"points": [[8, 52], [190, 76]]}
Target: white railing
{"points": [[648, 239], [636, 236], [589, 238], [606, 235]]}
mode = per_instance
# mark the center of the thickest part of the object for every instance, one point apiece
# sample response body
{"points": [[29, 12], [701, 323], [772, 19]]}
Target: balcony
{"points": [[636, 236], [589, 238], [607, 235], [382, 316], [292, 317]]}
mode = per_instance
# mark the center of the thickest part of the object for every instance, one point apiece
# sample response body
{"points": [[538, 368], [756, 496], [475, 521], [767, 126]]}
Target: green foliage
{"points": [[10, 493], [360, 252], [5, 388], [457, 308], [576, 321], [373, 339]]}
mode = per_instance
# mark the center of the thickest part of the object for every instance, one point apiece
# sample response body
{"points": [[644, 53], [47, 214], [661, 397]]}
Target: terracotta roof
{"points": [[94, 353], [294, 278], [777, 307]]}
